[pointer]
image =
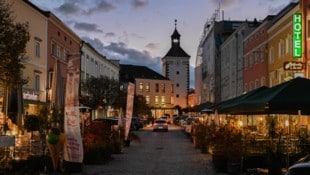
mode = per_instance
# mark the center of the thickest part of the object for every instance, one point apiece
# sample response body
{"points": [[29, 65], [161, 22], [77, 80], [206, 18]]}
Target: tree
{"points": [[102, 91], [140, 106], [13, 39]]}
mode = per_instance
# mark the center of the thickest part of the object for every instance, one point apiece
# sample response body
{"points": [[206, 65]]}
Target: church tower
{"points": [[176, 68]]}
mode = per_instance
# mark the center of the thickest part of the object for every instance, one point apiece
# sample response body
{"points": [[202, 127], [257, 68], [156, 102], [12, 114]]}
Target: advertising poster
{"points": [[73, 147], [129, 107]]}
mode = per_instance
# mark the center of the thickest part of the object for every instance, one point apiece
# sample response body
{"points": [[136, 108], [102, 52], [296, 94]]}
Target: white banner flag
{"points": [[129, 107], [73, 147]]}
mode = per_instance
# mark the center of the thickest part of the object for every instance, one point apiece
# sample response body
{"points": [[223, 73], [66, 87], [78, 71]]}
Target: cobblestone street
{"points": [[168, 153]]}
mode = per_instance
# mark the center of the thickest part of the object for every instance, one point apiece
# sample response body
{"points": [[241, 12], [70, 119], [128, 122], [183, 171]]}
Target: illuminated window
{"points": [[147, 99], [163, 101], [141, 87], [156, 100], [147, 87]]}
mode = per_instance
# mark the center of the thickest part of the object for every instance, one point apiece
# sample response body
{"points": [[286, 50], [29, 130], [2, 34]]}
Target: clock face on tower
{"points": [[175, 40]]}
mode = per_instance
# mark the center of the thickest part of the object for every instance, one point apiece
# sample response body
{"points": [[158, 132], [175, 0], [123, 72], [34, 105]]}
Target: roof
{"points": [[131, 72], [177, 51]]}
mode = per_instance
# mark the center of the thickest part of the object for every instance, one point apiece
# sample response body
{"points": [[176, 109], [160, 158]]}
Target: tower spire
{"points": [[175, 23]]}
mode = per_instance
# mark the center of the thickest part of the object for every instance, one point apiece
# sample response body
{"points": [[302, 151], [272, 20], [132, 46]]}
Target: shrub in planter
{"points": [[98, 153], [227, 144]]}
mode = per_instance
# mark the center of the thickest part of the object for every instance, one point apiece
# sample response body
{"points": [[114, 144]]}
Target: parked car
{"points": [[136, 123], [166, 117], [160, 125], [299, 169]]}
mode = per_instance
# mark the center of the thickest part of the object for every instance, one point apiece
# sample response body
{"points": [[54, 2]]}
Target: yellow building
{"points": [[280, 47]]}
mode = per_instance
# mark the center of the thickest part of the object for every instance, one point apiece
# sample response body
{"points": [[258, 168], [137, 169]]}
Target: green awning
{"points": [[286, 98]]}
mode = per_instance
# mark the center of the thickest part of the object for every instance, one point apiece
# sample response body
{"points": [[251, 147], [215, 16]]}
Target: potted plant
{"points": [[227, 148]]}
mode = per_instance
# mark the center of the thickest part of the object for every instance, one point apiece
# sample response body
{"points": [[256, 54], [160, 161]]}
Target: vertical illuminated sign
{"points": [[297, 35]]}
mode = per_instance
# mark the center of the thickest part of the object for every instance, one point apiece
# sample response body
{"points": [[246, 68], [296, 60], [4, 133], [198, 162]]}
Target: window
{"points": [[147, 87], [256, 57], [271, 56], [178, 72], [245, 62], [58, 51], [177, 95], [308, 27], [54, 49], [163, 101], [256, 84], [177, 84], [37, 49], [156, 100], [141, 87], [162, 88], [156, 87], [263, 81], [147, 99], [50, 79], [37, 82], [281, 48]]}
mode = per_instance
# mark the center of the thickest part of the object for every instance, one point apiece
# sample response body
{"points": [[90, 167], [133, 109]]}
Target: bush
{"points": [[98, 153]]}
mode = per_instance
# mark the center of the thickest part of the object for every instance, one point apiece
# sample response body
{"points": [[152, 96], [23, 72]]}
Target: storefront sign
{"points": [[294, 65], [297, 35], [30, 96]]}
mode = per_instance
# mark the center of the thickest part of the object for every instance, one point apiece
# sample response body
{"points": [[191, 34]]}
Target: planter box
{"points": [[220, 162]]}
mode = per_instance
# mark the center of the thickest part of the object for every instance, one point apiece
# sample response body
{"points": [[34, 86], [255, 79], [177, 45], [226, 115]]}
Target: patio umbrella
{"points": [[57, 88], [290, 97], [228, 106]]}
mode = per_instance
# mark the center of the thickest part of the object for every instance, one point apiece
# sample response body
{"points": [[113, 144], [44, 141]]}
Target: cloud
{"points": [[274, 10], [120, 51], [152, 46], [140, 3], [101, 6], [87, 27], [110, 34], [68, 8], [226, 3]]}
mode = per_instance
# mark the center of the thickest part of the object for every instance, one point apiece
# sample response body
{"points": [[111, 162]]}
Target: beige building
{"points": [[34, 91], [157, 89]]}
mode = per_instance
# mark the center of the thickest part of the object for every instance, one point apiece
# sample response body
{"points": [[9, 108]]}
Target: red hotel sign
{"points": [[294, 65]]}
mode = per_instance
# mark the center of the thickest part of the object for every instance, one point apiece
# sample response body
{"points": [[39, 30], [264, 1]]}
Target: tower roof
{"points": [[131, 72], [177, 52]]}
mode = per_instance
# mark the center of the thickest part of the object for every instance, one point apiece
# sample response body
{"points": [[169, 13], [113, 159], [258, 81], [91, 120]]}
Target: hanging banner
{"points": [[73, 147], [129, 107]]}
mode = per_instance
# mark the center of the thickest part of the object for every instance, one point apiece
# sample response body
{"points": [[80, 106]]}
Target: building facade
{"points": [[215, 33], [95, 64], [35, 62], [231, 59], [157, 90], [255, 57], [62, 45], [280, 47]]}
